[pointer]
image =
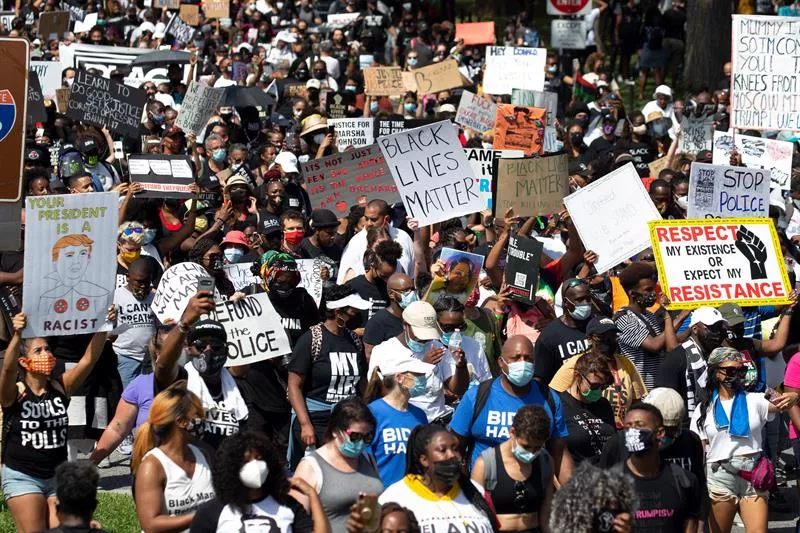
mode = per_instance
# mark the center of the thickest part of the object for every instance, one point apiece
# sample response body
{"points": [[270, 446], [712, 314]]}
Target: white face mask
{"points": [[254, 473], [318, 138]]}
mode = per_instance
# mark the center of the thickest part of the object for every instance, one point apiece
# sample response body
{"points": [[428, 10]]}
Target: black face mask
{"points": [[735, 383], [238, 196], [638, 441], [712, 339], [209, 364], [447, 471], [301, 75], [281, 291], [217, 265]]}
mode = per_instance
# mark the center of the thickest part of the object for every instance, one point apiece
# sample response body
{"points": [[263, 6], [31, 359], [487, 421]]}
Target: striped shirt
{"points": [[633, 330]]}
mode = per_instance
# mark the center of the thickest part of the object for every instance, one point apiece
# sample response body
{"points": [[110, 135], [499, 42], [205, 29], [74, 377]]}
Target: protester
{"points": [[76, 492]]}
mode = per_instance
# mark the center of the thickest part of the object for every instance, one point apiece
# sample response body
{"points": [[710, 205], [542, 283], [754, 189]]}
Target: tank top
{"points": [[183, 495], [340, 489], [518, 497]]}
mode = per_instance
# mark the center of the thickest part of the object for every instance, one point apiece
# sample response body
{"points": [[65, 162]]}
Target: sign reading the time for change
{"points": [[714, 261]]}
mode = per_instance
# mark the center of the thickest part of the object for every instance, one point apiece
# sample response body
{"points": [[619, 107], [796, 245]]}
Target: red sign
{"points": [[569, 7]]}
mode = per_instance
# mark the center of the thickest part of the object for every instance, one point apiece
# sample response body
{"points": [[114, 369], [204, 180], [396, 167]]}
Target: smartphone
{"points": [[205, 284], [331, 130], [771, 394], [576, 65], [370, 512]]}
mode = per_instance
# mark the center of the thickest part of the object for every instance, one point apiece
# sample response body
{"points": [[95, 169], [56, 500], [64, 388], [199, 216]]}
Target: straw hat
{"points": [[314, 123]]}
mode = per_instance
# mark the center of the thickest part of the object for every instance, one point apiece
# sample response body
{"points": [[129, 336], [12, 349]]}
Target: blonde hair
{"points": [[170, 405], [77, 239], [135, 237]]}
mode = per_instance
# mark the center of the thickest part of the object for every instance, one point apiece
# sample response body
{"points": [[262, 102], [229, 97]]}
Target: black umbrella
{"points": [[245, 97], [162, 56]]}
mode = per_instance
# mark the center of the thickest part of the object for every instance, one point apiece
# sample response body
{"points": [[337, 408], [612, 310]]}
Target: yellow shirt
{"points": [[628, 385]]}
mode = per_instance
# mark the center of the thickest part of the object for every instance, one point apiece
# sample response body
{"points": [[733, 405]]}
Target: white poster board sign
{"points": [[718, 191], [310, 279], [611, 216], [566, 33], [352, 132], [49, 73], [432, 174], [199, 104], [481, 160], [476, 112], [756, 152], [696, 134], [509, 67], [70, 263], [240, 275], [177, 286], [254, 329]]}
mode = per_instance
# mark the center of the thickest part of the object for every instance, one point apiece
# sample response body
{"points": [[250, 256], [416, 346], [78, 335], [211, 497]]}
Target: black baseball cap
{"points": [[269, 225], [207, 328], [37, 155], [600, 325], [88, 146], [323, 218]]}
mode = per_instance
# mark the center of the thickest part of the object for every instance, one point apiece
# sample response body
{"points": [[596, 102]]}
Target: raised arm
{"points": [[74, 377], [8, 375], [166, 370]]}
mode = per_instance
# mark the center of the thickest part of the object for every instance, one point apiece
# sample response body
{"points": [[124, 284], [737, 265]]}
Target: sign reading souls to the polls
{"points": [[714, 261], [70, 263], [433, 177]]}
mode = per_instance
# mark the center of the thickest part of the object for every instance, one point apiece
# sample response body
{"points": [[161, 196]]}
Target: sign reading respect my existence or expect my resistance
{"points": [[713, 261]]}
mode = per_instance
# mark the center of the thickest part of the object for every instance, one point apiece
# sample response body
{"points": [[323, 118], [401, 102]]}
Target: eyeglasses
{"points": [[450, 328], [732, 371], [130, 231], [356, 436], [520, 495], [201, 345], [594, 386]]}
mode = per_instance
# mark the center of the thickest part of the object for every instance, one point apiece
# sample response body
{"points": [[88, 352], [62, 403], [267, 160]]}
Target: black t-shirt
{"points": [[333, 252], [675, 23], [155, 272], [589, 425], [375, 293], [666, 501], [207, 518], [336, 372], [382, 327], [642, 154], [598, 147], [557, 343]]}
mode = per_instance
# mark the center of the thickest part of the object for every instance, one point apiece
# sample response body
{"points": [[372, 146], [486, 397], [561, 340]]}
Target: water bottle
{"points": [[455, 340]]}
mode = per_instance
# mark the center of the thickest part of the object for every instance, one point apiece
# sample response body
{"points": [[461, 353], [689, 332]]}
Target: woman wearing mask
{"points": [[234, 246], [730, 421], [130, 236], [252, 492], [574, 140], [238, 192], [518, 474], [172, 477], [392, 384], [435, 489], [410, 107], [321, 139], [340, 470], [208, 254], [37, 400]]}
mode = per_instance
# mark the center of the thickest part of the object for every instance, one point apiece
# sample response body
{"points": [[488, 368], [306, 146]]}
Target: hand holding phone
{"points": [[370, 512]]}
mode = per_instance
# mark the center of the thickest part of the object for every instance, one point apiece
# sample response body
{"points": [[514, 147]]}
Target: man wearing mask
{"points": [[605, 142], [638, 146], [103, 175], [155, 117], [136, 322], [380, 263], [388, 322]]}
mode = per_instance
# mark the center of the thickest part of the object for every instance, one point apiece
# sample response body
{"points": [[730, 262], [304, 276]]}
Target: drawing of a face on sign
{"points": [[72, 260], [70, 291]]}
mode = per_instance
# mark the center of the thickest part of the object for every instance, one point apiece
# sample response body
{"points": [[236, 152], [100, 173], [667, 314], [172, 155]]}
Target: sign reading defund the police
{"points": [[432, 174], [717, 191], [254, 329], [713, 261], [70, 263]]}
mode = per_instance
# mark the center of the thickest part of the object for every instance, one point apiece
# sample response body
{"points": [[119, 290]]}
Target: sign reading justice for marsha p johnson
{"points": [[714, 261]]}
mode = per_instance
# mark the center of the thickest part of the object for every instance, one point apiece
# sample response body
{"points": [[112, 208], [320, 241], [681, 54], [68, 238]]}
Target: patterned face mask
{"points": [[41, 363]]}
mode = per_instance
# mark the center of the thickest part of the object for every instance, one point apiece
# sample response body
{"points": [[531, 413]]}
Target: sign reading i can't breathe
{"points": [[714, 261]]}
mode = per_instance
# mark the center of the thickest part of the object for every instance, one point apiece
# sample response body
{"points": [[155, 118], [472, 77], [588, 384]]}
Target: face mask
{"points": [[640, 130], [415, 345], [233, 254], [281, 291], [219, 155], [576, 138], [638, 441], [70, 81], [297, 112], [552, 69], [351, 88], [646, 300], [92, 160], [254, 473], [735, 383], [129, 257], [410, 107], [666, 442], [520, 373], [302, 75], [592, 395], [412, 61], [196, 427], [43, 364], [524, 455], [148, 235], [140, 294], [351, 449], [373, 107], [712, 339], [238, 196], [320, 75], [581, 312], [157, 119], [318, 138], [608, 129], [420, 386], [294, 238], [407, 298], [682, 202], [445, 338], [209, 364], [447, 471]]}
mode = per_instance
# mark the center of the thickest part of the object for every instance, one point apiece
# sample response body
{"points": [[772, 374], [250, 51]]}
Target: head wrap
{"points": [[723, 353], [273, 262]]}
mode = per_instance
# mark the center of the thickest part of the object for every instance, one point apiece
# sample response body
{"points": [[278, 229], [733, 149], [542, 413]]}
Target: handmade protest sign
{"points": [[380, 81], [764, 77], [254, 330], [433, 176], [198, 105], [509, 67], [716, 261], [62, 99], [718, 191], [476, 112], [84, 26], [162, 176], [611, 216], [310, 278], [568, 33], [49, 73], [532, 186], [338, 181], [569, 7], [462, 271], [522, 267], [756, 152], [519, 128], [697, 133], [340, 20], [388, 126], [481, 160], [217, 9], [657, 166], [336, 104], [177, 286], [179, 29], [96, 100], [542, 99], [190, 14], [53, 23], [437, 76], [352, 132], [240, 275], [35, 112], [475, 32], [70, 263]]}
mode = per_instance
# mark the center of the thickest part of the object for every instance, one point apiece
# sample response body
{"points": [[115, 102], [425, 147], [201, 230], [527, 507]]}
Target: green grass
{"points": [[115, 511]]}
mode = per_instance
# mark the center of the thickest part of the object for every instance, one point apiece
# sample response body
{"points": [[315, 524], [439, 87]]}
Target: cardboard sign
{"points": [[437, 77], [509, 67], [96, 100], [352, 132], [338, 181], [310, 278], [532, 186], [85, 26], [522, 267], [254, 329], [70, 263], [569, 7], [475, 32], [519, 128], [611, 215], [240, 275], [716, 261], [62, 99], [383, 81], [757, 152], [462, 272], [179, 29], [482, 162], [696, 134], [217, 9], [36, 112], [340, 20], [543, 99], [190, 14], [433, 176], [717, 191], [476, 112], [336, 104], [49, 73], [176, 288], [198, 105], [764, 73], [657, 166], [14, 58], [53, 24], [162, 176], [569, 34]]}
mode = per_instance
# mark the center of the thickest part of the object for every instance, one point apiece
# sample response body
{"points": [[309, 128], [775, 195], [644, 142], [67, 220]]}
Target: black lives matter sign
{"points": [[102, 102]]}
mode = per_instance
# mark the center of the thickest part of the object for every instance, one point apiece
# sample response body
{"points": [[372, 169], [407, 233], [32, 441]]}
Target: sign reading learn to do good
{"points": [[717, 191], [433, 176], [710, 262], [96, 100], [765, 73]]}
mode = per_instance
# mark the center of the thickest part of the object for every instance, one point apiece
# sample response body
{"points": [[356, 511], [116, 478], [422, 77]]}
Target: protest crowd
{"points": [[350, 266]]}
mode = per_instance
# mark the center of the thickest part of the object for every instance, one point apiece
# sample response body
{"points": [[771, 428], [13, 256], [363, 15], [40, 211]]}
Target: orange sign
{"points": [[519, 128], [475, 32]]}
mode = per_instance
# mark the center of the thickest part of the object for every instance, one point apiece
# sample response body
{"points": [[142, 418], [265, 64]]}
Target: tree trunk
{"points": [[708, 42]]}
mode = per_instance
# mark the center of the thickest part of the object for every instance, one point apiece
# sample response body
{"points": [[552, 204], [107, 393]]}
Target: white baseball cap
{"points": [[287, 161], [669, 402], [706, 315], [397, 363]]}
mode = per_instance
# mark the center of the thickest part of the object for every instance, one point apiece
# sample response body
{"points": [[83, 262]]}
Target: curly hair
{"points": [[76, 488], [333, 293], [630, 277], [532, 423], [199, 249], [588, 492], [229, 460], [448, 304], [392, 507], [594, 363], [387, 251]]}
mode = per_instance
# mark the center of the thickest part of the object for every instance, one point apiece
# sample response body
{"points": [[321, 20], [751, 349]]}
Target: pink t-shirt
{"points": [[792, 379]]}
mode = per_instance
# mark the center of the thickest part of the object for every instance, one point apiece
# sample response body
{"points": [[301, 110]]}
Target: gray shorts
{"points": [[725, 486]]}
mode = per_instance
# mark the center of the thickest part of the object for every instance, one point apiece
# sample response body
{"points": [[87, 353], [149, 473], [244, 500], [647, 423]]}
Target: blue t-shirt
{"points": [[392, 428], [495, 419]]}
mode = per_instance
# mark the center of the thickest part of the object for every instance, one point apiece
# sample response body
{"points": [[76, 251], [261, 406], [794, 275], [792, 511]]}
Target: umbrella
{"points": [[162, 56], [245, 97]]}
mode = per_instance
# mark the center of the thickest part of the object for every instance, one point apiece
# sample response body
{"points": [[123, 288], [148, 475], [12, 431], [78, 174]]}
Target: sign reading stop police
{"points": [[14, 57], [569, 7]]}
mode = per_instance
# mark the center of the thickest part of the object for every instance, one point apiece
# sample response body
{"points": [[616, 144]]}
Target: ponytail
{"points": [[145, 441], [373, 390]]}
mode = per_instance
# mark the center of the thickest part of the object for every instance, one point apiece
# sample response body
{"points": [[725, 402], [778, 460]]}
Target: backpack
{"points": [[316, 341]]}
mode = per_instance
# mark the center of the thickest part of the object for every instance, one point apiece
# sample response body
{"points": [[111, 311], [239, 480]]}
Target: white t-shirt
{"points": [[721, 445], [589, 19], [353, 255], [265, 515], [136, 324]]}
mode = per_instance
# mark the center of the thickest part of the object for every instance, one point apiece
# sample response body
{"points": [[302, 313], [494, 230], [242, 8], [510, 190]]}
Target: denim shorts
{"points": [[724, 485], [16, 483]]}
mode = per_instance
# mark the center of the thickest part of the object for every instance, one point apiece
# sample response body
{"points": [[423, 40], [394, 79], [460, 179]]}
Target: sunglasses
{"points": [[201, 345], [130, 231], [450, 328], [594, 386], [733, 371], [356, 436]]}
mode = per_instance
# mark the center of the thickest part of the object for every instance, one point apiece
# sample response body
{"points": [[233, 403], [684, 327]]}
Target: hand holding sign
{"points": [[754, 250]]}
